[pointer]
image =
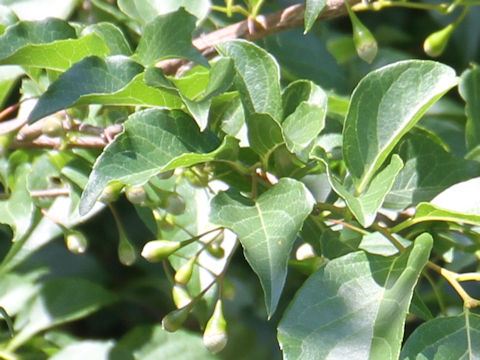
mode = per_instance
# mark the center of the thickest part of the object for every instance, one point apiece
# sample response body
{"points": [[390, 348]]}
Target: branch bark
{"points": [[288, 18], [263, 26]]}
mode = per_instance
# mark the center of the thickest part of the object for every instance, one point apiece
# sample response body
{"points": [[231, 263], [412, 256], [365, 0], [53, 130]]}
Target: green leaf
{"points": [[429, 169], [168, 36], [220, 80], [112, 35], [58, 55], [312, 10], [454, 337], [153, 141], [60, 301], [354, 307], [91, 75], [18, 209], [267, 229], [384, 106], [469, 88], [458, 203], [264, 134], [366, 205], [145, 11], [41, 9], [304, 122], [9, 76], [258, 77], [148, 342]]}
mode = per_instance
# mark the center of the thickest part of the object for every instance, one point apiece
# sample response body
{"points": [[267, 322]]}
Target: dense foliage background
{"points": [[367, 188]]}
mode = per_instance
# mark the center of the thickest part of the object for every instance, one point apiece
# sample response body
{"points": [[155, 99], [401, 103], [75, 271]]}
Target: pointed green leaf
{"points": [[112, 35], [304, 122], [27, 33], [145, 11], [454, 337], [366, 205], [384, 106], [458, 203], [469, 89], [153, 141], [115, 80], [264, 134], [267, 229], [220, 80], [169, 36], [59, 55], [429, 169], [368, 293], [60, 301], [258, 77], [312, 10], [17, 210]]}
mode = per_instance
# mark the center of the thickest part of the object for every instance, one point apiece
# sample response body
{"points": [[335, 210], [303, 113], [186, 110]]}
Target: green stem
{"points": [[386, 232]]}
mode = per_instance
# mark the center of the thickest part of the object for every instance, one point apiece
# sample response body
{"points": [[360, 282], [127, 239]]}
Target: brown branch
{"points": [[288, 18], [31, 136]]}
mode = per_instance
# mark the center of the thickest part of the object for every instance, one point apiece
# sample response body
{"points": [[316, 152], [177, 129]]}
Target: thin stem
{"points": [[229, 10], [473, 276], [379, 5], [386, 232], [350, 226], [468, 301]]}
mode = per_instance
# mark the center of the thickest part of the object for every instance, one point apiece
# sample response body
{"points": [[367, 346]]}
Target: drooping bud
{"points": [[180, 295], [215, 250], [365, 43], [175, 319], [158, 250], [136, 195], [215, 335], [111, 192], [175, 204], [126, 251], [435, 44], [184, 273], [76, 242]]}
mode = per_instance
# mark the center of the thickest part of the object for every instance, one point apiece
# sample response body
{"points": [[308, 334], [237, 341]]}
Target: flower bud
{"points": [[436, 42], [180, 296], [111, 192], [175, 205], [126, 251], [136, 195], [52, 126], [184, 273], [158, 250], [365, 43], [166, 174], [175, 319], [215, 250], [215, 335], [76, 242]]}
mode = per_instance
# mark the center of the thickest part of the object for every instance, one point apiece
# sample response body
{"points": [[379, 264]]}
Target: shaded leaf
{"points": [[303, 123], [469, 88], [258, 77], [18, 209], [429, 169], [454, 337], [458, 203], [368, 293], [220, 80], [153, 141], [267, 229], [168, 36], [149, 342], [60, 301], [384, 106], [91, 75], [264, 134]]}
